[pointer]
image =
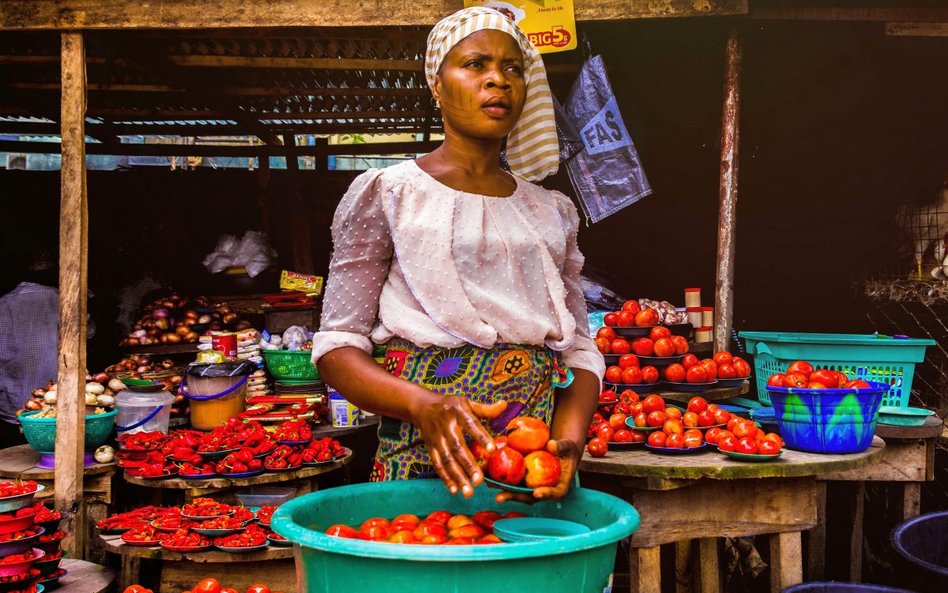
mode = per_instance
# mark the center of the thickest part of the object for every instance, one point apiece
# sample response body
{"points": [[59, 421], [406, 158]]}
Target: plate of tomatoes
{"points": [[677, 450], [171, 523], [16, 495], [219, 527], [144, 535], [660, 361], [202, 509], [757, 457], [252, 539], [278, 540], [184, 541], [689, 387], [53, 579]]}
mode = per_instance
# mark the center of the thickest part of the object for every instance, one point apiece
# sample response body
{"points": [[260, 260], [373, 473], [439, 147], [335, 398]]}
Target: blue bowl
{"points": [[828, 420]]}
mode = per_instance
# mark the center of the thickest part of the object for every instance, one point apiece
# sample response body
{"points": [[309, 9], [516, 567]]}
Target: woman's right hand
{"points": [[444, 421]]}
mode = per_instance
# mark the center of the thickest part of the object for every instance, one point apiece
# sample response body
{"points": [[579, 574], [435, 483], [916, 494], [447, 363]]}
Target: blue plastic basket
{"points": [[869, 357]]}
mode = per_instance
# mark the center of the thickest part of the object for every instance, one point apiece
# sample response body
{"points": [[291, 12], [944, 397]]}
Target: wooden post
{"points": [[727, 213], [786, 564], [645, 575], [73, 278]]}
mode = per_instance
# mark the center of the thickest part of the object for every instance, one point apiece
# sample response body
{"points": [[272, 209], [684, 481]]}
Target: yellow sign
{"points": [[549, 24]]}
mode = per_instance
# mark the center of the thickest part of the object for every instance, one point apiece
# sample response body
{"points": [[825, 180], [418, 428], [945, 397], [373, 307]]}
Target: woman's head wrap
{"points": [[532, 146]]}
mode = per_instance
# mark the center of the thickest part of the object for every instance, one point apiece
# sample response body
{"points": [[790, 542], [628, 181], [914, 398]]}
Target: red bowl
{"points": [[9, 570], [13, 524]]}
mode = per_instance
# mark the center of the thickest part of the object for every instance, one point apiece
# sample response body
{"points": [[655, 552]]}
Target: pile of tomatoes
{"points": [[294, 431], [722, 365], [206, 586], [631, 315], [251, 537], [801, 373], [520, 456], [439, 527], [18, 488], [744, 436]]}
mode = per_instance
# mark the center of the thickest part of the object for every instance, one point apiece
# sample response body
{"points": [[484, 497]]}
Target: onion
{"points": [[32, 404], [191, 314], [159, 313], [38, 392], [50, 397], [104, 454], [116, 385], [191, 337], [182, 330], [101, 378], [91, 399], [171, 338], [143, 369], [95, 388], [204, 319], [105, 400], [162, 323]]}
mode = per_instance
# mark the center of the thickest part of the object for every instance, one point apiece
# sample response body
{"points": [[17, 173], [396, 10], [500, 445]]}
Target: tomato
{"points": [[208, 586], [800, 366], [856, 384], [132, 588], [657, 439], [617, 421], [490, 538], [628, 396], [258, 589], [403, 536], [706, 418], [658, 332], [722, 357], [843, 379], [620, 346], [697, 405], [605, 432], [374, 522], [776, 380], [815, 385], [640, 419], [628, 360], [693, 438], [675, 372], [608, 396], [526, 434], [721, 416], [673, 413], [636, 408], [689, 360], [794, 380], [506, 465], [603, 345], [726, 371], [775, 438], [626, 319], [672, 427], [632, 306], [745, 429], [643, 347], [623, 435], [689, 419], [632, 376], [713, 435], [747, 445], [768, 448], [607, 333], [405, 521], [741, 367], [696, 374], [681, 344], [486, 518], [597, 447], [653, 403], [610, 319], [664, 347], [637, 436], [614, 374], [656, 418], [428, 529], [675, 441], [728, 443], [458, 521], [647, 317], [649, 374]]}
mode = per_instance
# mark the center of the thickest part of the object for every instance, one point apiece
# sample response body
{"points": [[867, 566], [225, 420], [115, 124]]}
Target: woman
{"points": [[467, 273]]}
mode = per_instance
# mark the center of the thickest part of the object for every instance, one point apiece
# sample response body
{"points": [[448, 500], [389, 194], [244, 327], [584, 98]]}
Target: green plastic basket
{"points": [[293, 365], [870, 357]]}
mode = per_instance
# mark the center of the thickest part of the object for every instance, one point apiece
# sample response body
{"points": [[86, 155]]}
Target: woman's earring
{"points": [[437, 103]]}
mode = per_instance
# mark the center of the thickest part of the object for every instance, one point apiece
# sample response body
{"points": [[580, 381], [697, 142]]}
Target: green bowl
{"points": [[899, 416], [40, 433]]}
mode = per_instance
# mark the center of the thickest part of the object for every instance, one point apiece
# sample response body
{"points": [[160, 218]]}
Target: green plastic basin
{"points": [[40, 433], [573, 564]]}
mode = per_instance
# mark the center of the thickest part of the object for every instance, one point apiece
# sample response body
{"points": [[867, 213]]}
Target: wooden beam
{"points": [[727, 193], [917, 29], [73, 289], [181, 14], [924, 11], [233, 90], [199, 130], [217, 150], [36, 59], [296, 63]]}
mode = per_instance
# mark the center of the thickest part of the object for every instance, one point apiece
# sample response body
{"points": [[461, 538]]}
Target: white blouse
{"points": [[416, 259]]}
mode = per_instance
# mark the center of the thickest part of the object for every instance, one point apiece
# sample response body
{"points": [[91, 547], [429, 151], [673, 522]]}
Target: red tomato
{"points": [[675, 441], [623, 436], [693, 438], [208, 586], [746, 428], [637, 436], [620, 346], [636, 408], [632, 376], [713, 435], [673, 413], [506, 465], [628, 396], [747, 445], [597, 447], [726, 371], [696, 374], [721, 416], [856, 384], [543, 471], [608, 396], [614, 374], [340, 530], [640, 419], [689, 419], [646, 317], [649, 374], [607, 333], [706, 418], [626, 319], [727, 443], [526, 434], [430, 531], [603, 345], [689, 360], [657, 439], [675, 372], [656, 418], [768, 448], [258, 589], [800, 366], [775, 438], [815, 385], [617, 422], [681, 344], [440, 516], [794, 380], [632, 306], [653, 403], [741, 367], [402, 536], [664, 347], [628, 360], [643, 347], [697, 405], [134, 589], [776, 380], [722, 357], [610, 319], [843, 379], [658, 332], [605, 432], [672, 426]]}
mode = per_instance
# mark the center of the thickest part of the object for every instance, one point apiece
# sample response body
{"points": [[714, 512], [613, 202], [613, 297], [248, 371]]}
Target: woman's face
{"points": [[481, 86]]}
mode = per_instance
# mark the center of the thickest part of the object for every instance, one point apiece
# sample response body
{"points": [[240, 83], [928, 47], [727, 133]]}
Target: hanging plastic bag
{"points": [[607, 174]]}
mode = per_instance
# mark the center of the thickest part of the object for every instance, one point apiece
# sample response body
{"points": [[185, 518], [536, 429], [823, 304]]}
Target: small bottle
{"points": [[704, 334], [692, 297], [707, 316]]}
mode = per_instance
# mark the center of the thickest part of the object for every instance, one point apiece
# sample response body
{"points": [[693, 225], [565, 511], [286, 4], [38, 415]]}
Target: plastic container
{"points": [[343, 412], [827, 420], [217, 391], [261, 496], [40, 433], [832, 587], [861, 356], [574, 564], [295, 365], [907, 416], [922, 543], [140, 411]]}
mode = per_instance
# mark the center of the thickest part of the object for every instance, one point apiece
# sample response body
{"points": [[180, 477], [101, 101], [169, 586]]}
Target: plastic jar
{"points": [[142, 411]]}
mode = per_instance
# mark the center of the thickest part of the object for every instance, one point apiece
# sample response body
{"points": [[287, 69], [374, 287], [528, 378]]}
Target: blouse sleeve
{"points": [[583, 354], [362, 252]]}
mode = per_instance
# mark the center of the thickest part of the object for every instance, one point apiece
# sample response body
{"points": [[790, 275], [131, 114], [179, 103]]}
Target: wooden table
{"points": [[707, 495], [84, 577], [909, 460]]}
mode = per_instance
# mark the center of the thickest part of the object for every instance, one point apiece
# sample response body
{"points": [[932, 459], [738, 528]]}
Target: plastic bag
{"points": [[294, 337], [252, 252], [607, 174]]}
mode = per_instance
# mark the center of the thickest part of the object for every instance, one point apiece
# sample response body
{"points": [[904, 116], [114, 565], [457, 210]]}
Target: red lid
{"points": [[706, 328], [692, 290], [705, 308], [694, 309]]}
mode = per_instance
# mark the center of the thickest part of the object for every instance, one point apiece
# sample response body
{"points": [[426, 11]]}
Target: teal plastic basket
{"points": [[870, 357]]}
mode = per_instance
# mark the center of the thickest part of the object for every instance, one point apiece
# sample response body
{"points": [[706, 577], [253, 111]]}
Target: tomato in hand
{"points": [[526, 434], [506, 465]]}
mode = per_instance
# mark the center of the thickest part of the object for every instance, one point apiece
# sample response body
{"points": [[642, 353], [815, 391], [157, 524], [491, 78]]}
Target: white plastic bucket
{"points": [[140, 411]]}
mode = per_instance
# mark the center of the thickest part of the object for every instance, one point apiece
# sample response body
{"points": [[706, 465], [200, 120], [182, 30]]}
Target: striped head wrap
{"points": [[532, 146]]}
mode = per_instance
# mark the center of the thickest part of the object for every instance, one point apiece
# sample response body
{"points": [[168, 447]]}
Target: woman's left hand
{"points": [[569, 454]]}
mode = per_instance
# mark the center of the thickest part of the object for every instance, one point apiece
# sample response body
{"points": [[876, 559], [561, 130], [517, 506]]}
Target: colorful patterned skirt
{"points": [[524, 376]]}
